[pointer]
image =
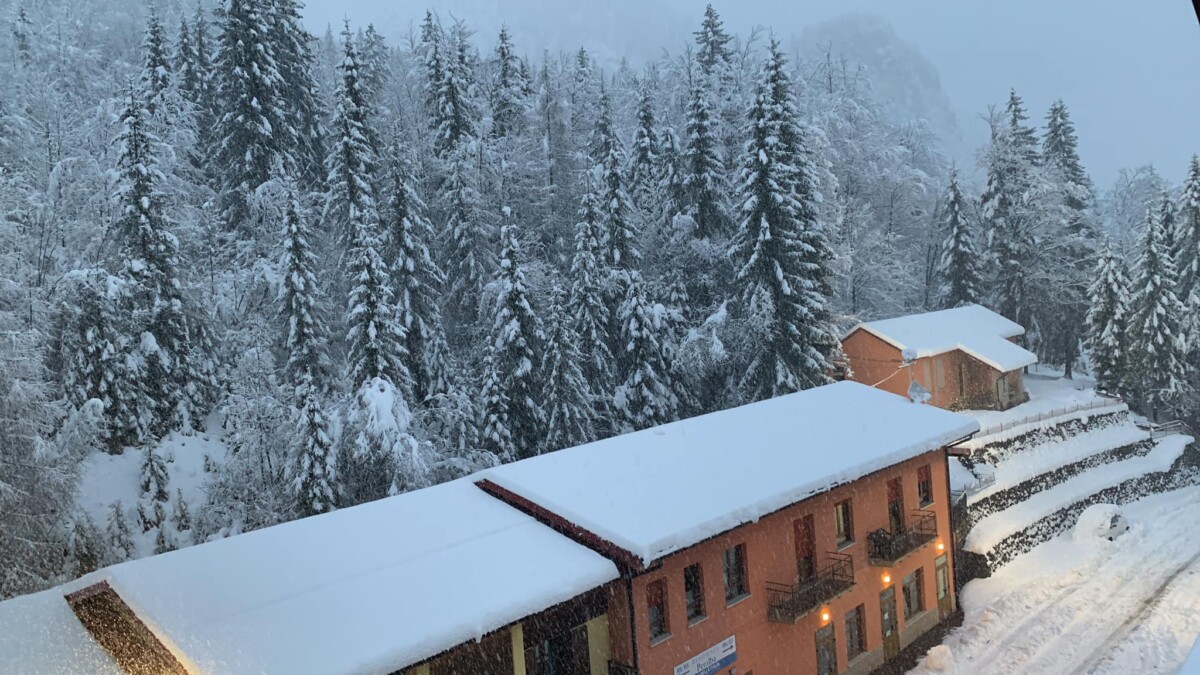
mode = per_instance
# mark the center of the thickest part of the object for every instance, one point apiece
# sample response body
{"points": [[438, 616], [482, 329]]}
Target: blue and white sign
{"points": [[711, 660]]}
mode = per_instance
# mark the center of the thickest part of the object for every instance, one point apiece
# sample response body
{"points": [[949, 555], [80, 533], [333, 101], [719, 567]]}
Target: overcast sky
{"points": [[1129, 70]]}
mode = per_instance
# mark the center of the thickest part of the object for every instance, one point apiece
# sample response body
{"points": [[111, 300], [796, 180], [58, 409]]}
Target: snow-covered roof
{"points": [[663, 489], [39, 635], [369, 589], [973, 329]]}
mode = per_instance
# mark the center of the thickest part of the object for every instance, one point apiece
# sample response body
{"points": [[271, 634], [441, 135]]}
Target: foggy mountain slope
{"points": [[904, 81]]}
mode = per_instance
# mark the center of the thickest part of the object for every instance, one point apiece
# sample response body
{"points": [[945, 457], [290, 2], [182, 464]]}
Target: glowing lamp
{"points": [[941, 546], [824, 616], [887, 578]]}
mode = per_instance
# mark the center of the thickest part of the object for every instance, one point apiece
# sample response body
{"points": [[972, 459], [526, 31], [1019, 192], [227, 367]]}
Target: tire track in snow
{"points": [[1011, 650], [1123, 631]]}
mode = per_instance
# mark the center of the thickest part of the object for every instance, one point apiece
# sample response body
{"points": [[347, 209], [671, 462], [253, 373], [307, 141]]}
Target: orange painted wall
{"points": [[779, 649], [955, 379]]}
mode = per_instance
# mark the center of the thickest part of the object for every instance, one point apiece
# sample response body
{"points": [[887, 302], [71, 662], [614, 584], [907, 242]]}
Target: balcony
{"points": [[886, 548], [788, 603], [615, 668]]}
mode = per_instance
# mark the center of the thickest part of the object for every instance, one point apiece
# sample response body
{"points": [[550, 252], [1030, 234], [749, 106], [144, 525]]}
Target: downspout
{"points": [[633, 616]]}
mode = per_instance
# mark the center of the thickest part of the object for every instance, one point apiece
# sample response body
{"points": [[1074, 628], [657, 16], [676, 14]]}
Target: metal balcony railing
{"points": [[787, 603], [885, 548]]}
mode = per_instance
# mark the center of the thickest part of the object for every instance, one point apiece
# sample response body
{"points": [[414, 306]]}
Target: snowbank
{"points": [[657, 491], [993, 529]]}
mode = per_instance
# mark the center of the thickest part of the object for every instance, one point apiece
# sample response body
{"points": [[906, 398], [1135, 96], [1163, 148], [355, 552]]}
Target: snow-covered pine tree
{"points": [[508, 92], [1007, 223], [193, 71], [417, 279], [470, 257], [616, 210], [712, 42], [384, 456], [590, 313], [779, 249], [432, 51], [516, 341], [120, 539], [303, 131], [1157, 337], [96, 364], [567, 399], [1074, 236], [374, 337], [454, 113], [1187, 254], [150, 254], [959, 264], [152, 510], [495, 435], [646, 396], [643, 161], [252, 131], [156, 64], [670, 177], [22, 33], [704, 186], [1169, 226], [1107, 324], [308, 368], [375, 68], [181, 516]]}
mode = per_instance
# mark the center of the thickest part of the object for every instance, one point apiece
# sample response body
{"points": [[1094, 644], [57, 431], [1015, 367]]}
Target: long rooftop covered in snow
{"points": [[370, 589], [660, 490], [976, 330]]}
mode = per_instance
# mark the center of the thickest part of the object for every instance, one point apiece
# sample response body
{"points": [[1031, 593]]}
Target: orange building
{"points": [[817, 543], [804, 534], [962, 358]]}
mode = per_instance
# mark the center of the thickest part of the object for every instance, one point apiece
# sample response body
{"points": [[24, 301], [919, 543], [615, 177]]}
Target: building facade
{"points": [[954, 379], [838, 583]]}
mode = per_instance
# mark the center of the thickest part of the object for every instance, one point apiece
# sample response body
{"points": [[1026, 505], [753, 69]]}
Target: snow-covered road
{"points": [[1129, 606]]}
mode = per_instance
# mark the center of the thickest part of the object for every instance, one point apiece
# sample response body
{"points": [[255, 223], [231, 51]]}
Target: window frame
{"points": [[844, 524], [742, 577], [915, 580], [857, 637], [925, 485], [826, 643], [694, 597], [657, 590]]}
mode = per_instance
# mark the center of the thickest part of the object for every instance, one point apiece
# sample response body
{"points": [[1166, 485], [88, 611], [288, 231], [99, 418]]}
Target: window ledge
{"points": [[697, 620], [737, 601], [656, 641], [845, 545], [927, 504]]}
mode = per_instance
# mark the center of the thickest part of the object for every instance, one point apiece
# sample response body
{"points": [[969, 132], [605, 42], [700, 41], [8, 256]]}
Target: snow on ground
{"points": [[1127, 606], [1022, 466], [993, 529], [106, 478], [1051, 401]]}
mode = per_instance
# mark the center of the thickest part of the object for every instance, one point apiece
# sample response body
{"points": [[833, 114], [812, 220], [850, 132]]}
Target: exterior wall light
{"points": [[825, 616], [887, 578], [941, 546]]}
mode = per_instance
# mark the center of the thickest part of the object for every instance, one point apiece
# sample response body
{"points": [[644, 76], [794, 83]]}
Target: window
{"points": [[855, 636], [914, 594], [693, 591], [943, 578], [925, 485], [895, 491], [826, 651], [564, 654], [844, 515], [806, 548], [734, 563], [656, 602]]}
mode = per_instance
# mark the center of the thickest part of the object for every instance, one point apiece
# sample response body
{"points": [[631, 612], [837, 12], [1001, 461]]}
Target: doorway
{"points": [[891, 633]]}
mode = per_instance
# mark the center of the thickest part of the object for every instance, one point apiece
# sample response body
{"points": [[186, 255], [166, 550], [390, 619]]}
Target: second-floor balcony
{"points": [[787, 603], [885, 548]]}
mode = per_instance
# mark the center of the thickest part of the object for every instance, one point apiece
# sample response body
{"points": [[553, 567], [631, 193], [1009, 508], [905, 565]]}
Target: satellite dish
{"points": [[918, 394]]}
